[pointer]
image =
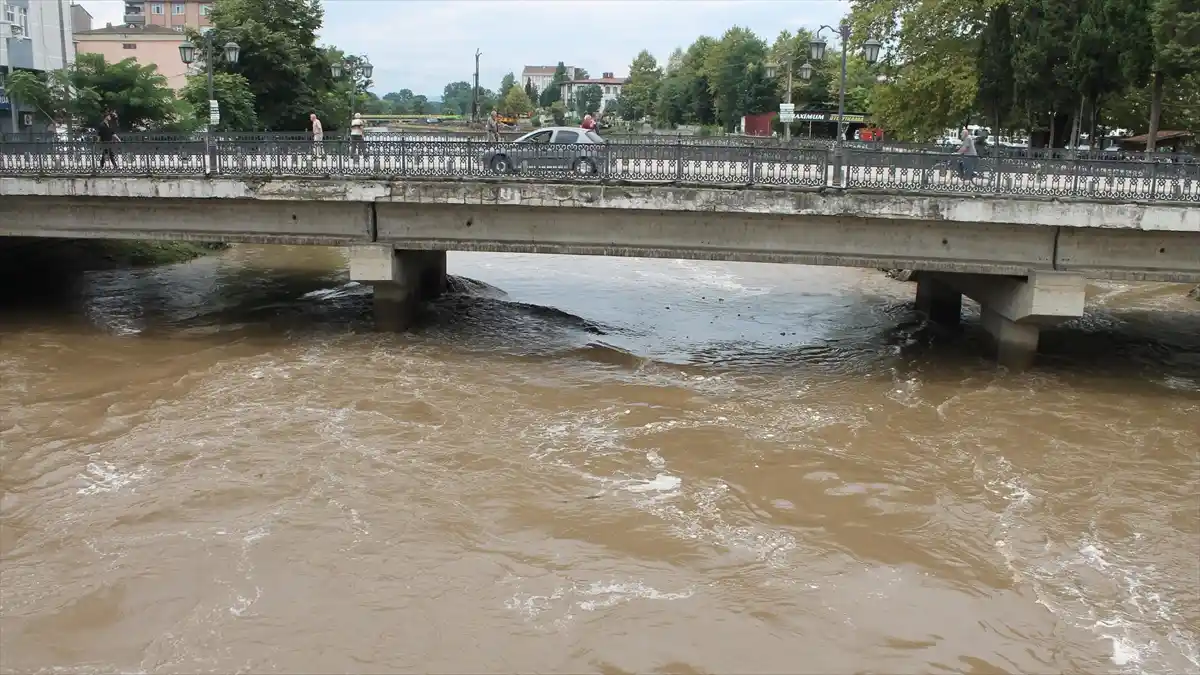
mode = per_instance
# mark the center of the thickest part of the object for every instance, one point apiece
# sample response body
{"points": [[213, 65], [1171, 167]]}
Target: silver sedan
{"points": [[549, 149]]}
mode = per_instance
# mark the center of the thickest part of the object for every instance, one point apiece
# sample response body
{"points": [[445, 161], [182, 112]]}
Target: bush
{"points": [[535, 122]]}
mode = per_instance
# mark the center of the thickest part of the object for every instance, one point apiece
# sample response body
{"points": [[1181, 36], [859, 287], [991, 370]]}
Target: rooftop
{"points": [[606, 79], [541, 70], [123, 29]]}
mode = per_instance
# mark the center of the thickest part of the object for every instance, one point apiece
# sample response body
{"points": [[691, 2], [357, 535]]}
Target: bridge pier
{"points": [[1014, 309], [938, 300], [402, 280]]}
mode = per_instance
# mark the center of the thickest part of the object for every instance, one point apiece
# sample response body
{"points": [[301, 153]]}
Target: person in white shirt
{"points": [[318, 133], [356, 134]]}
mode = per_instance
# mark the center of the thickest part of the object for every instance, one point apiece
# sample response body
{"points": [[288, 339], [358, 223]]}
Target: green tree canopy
{"points": [[458, 96], [234, 95], [507, 82], [515, 102], [137, 93], [640, 92], [553, 91], [587, 100], [280, 60]]}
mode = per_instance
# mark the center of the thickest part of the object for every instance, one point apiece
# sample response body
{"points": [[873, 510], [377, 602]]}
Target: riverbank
{"points": [[1195, 294], [19, 255]]}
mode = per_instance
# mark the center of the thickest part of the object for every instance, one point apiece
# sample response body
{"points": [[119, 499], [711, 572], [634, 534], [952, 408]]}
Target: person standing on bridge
{"points": [[318, 134], [106, 133], [493, 127], [356, 134], [969, 156]]}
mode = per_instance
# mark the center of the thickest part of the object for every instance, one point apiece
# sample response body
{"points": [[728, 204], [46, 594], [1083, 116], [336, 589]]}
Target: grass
{"points": [[20, 256]]}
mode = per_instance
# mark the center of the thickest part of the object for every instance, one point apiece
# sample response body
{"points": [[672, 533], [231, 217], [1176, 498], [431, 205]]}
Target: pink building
{"points": [[169, 13], [146, 44]]}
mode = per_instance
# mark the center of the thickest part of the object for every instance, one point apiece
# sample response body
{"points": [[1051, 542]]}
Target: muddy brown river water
{"points": [[588, 465]]}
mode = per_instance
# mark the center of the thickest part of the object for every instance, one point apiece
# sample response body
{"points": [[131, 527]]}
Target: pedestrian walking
{"points": [[969, 155], [493, 127], [106, 133], [318, 134], [356, 134]]}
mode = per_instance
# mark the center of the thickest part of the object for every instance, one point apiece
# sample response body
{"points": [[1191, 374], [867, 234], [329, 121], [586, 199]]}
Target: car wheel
{"points": [[584, 166], [501, 164]]}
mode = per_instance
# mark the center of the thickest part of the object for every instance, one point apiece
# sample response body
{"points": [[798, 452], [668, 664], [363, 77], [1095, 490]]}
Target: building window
{"points": [[156, 8], [19, 17], [128, 45], [205, 10], [177, 9]]}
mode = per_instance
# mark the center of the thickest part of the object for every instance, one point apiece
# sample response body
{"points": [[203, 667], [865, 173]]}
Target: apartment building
{"points": [[158, 45], [172, 14], [34, 35]]}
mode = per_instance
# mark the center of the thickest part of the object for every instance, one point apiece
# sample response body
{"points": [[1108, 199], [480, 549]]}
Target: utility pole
{"points": [[475, 91], [62, 34]]}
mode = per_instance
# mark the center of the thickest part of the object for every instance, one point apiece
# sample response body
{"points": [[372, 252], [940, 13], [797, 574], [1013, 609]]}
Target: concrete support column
{"points": [[402, 280], [1015, 309], [1016, 343], [939, 301]]}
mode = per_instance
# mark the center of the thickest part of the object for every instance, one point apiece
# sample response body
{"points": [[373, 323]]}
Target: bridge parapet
{"points": [[724, 165]]}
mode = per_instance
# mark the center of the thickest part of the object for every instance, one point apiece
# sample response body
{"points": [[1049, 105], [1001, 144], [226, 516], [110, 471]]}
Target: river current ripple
{"points": [[588, 465]]}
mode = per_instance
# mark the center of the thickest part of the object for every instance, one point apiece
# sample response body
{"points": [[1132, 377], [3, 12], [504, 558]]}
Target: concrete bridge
{"points": [[1024, 259]]}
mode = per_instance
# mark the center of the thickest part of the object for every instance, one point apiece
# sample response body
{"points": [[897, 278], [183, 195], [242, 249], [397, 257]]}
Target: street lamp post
{"points": [[354, 69], [187, 53], [817, 52]]}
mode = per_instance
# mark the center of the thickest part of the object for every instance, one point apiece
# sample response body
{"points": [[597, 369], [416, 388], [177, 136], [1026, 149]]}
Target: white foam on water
{"points": [[1132, 624], [348, 288], [243, 604], [103, 477], [660, 483], [591, 596], [690, 511]]}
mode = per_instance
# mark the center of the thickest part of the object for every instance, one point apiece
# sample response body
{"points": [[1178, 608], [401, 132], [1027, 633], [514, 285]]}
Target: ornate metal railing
{"points": [[686, 163]]}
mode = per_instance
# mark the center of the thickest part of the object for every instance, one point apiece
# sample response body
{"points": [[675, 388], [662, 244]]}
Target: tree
{"points": [[553, 91], [515, 102], [559, 112], [587, 100], [137, 93], [508, 82], [996, 84], [458, 96], [1176, 30], [640, 92], [727, 66], [231, 91], [930, 62], [488, 101], [530, 90], [684, 94], [400, 100], [287, 72], [419, 105]]}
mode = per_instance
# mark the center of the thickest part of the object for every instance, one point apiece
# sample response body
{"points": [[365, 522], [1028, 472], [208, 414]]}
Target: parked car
{"points": [[549, 149]]}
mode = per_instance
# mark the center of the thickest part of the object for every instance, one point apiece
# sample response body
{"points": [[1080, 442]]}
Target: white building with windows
{"points": [[541, 76], [34, 35], [610, 88]]}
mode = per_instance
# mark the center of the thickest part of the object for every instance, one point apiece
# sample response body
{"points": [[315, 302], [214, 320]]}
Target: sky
{"points": [[424, 44]]}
